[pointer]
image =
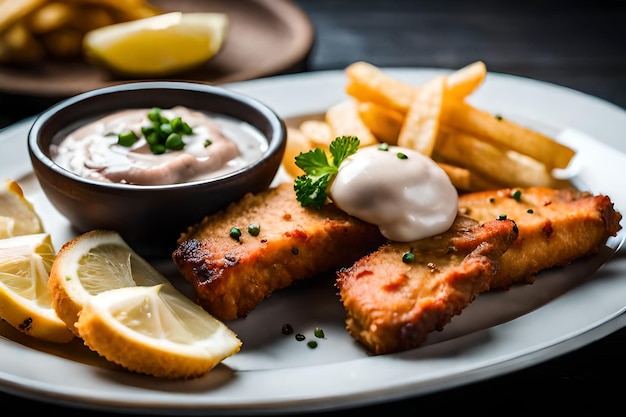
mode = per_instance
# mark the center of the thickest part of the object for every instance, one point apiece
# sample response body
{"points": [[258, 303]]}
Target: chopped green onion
{"points": [[318, 333], [166, 129], [174, 142], [127, 138], [161, 135], [235, 233], [383, 146], [401, 155], [408, 257], [254, 229]]}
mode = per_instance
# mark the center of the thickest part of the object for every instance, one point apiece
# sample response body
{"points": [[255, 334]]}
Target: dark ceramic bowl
{"points": [[150, 217]]}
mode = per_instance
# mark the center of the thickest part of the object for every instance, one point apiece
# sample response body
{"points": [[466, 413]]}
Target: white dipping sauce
{"points": [[92, 151], [408, 199]]}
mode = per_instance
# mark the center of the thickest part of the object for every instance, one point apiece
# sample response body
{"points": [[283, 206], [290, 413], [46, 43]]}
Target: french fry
{"points": [[50, 17], [479, 123], [318, 132], [368, 83], [421, 124], [17, 44], [33, 30], [297, 142], [466, 180], [12, 11], [463, 82], [507, 167], [343, 119], [385, 123]]}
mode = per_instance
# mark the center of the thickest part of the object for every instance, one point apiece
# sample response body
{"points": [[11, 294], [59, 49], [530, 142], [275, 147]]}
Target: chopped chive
{"points": [[254, 229], [408, 257], [235, 233], [127, 138]]}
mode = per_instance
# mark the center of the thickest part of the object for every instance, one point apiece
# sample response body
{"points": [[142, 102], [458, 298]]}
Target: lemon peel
{"points": [[17, 214], [156, 331], [25, 263], [161, 45]]}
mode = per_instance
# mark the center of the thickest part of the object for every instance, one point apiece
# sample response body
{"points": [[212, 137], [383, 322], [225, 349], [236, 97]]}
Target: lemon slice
{"points": [[25, 263], [129, 313], [17, 214], [92, 263], [157, 46], [156, 331]]}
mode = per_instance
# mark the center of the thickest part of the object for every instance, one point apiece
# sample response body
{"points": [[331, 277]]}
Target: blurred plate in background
{"points": [[266, 37]]}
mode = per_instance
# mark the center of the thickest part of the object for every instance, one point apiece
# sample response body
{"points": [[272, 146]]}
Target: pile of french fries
{"points": [[35, 30], [477, 150]]}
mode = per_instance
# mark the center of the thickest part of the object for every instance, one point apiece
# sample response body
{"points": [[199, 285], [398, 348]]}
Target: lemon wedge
{"points": [[17, 214], [91, 263], [25, 263], [156, 331], [157, 46], [129, 313]]}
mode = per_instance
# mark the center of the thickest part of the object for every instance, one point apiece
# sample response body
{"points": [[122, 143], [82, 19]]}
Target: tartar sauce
{"points": [[218, 145], [407, 198]]}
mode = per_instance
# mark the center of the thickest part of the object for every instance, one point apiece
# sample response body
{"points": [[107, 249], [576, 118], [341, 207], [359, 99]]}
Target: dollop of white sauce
{"points": [[408, 199], [92, 150]]}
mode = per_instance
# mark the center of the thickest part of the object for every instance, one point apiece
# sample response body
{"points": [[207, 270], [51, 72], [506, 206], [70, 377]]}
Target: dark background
{"points": [[575, 44]]}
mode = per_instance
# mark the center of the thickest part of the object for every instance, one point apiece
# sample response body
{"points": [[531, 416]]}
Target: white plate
{"points": [[500, 332]]}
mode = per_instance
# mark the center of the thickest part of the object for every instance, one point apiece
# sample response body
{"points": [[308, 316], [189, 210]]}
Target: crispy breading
{"points": [[231, 276], [556, 227], [392, 305]]}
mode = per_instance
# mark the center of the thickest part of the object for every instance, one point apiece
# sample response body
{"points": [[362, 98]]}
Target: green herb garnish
{"points": [[312, 187], [162, 135]]}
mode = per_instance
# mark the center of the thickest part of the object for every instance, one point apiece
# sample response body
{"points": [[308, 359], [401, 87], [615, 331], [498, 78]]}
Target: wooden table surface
{"points": [[576, 44]]}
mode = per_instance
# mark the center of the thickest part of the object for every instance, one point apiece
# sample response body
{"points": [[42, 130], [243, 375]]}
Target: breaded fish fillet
{"points": [[392, 305], [556, 227], [231, 275]]}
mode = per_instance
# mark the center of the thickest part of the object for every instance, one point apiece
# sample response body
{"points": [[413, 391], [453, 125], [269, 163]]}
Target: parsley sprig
{"points": [[312, 187]]}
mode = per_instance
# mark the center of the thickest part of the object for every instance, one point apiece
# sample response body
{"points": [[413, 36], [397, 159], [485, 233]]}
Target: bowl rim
{"points": [[276, 142]]}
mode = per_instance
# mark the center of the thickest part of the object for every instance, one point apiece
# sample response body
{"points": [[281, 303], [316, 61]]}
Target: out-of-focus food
{"points": [[477, 149], [238, 257], [25, 263], [127, 312], [159, 146], [17, 214], [157, 46], [397, 295], [34, 30], [556, 227]]}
